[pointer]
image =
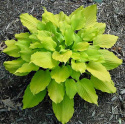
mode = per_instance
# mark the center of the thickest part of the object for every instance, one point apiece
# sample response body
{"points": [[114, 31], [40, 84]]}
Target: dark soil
{"points": [[111, 109]]}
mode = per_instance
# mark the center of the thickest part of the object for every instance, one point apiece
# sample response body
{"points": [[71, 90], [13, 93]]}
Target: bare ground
{"points": [[111, 109]]}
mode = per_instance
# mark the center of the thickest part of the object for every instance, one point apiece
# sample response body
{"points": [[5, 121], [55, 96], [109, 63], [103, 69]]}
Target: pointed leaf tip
{"points": [[90, 15], [29, 21], [30, 100], [110, 60], [86, 90], [64, 110], [99, 71], [103, 86], [105, 40]]}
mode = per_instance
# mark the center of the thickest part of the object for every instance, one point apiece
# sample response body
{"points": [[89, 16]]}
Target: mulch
{"points": [[111, 109]]}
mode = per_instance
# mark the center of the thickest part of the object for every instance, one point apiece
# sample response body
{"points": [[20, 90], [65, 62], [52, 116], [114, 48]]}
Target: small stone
{"points": [[93, 114], [114, 98], [122, 92], [102, 115], [52, 0]]}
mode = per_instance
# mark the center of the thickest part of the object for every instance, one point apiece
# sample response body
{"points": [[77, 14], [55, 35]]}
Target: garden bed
{"points": [[111, 109]]}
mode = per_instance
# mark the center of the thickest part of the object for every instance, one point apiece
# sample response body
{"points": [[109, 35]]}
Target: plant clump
{"points": [[62, 49]]}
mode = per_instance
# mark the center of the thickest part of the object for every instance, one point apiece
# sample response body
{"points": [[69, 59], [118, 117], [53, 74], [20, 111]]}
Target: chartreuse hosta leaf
{"points": [[40, 81], [60, 74], [111, 61], [30, 100], [86, 90], [90, 15], [103, 86], [25, 51], [63, 20], [11, 49], [78, 66], [62, 17], [27, 67], [81, 46], [69, 56], [23, 44], [64, 110], [41, 25], [14, 65], [56, 91], [48, 16], [63, 56], [80, 9], [105, 40], [26, 54], [68, 36], [89, 33], [100, 27], [78, 19], [75, 75], [71, 88], [51, 27], [43, 59], [77, 38], [59, 37], [93, 55], [46, 40], [99, 71], [36, 45], [33, 38], [29, 21], [80, 56], [22, 36]]}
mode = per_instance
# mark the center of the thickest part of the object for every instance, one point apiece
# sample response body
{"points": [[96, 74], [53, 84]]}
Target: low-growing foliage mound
{"points": [[69, 55]]}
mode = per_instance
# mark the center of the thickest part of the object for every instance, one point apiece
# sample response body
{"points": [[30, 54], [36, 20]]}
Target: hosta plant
{"points": [[69, 55]]}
